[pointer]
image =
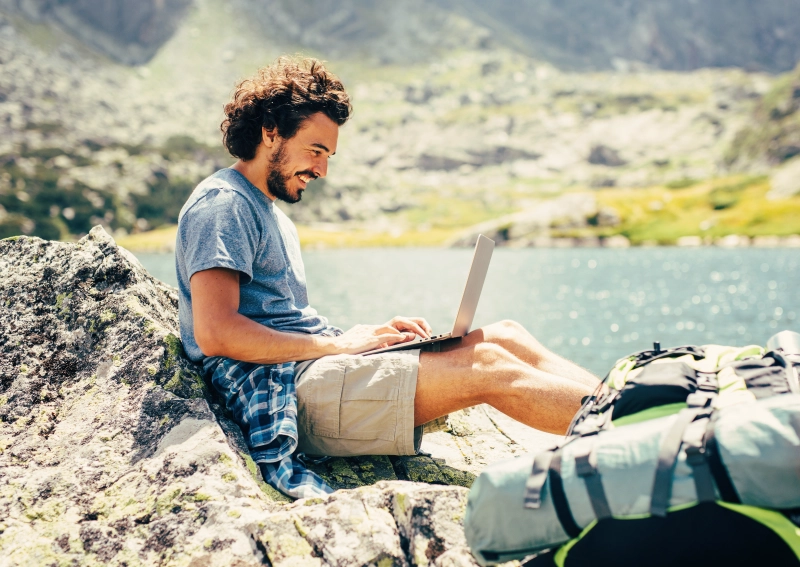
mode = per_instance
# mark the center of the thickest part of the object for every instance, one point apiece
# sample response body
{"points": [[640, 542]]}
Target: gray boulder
{"points": [[113, 451]]}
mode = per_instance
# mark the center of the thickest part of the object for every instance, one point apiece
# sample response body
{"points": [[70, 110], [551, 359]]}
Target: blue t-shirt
{"points": [[229, 223]]}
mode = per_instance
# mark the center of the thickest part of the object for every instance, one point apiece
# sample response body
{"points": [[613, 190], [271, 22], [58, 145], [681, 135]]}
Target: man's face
{"points": [[301, 158]]}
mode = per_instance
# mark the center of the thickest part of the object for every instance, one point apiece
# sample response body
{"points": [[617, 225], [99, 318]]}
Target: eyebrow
{"points": [[318, 145]]}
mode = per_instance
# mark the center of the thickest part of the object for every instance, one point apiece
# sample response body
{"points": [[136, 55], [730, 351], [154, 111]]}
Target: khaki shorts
{"points": [[358, 405]]}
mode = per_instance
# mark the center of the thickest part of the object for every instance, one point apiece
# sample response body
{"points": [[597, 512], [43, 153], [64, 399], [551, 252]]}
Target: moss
{"points": [[200, 497], [11, 238], [60, 299], [151, 370], [401, 500], [287, 546], [301, 529], [198, 385], [250, 464], [174, 350], [116, 360], [3, 400], [174, 382], [456, 477], [167, 501], [425, 469], [229, 477], [343, 473], [273, 494], [23, 368], [163, 421], [109, 436], [107, 315], [225, 459], [234, 513]]}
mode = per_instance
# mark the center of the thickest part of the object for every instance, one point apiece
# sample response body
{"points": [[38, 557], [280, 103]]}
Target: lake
{"points": [[590, 305]]}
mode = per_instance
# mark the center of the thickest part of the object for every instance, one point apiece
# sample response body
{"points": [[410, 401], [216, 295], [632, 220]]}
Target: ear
{"points": [[269, 137]]}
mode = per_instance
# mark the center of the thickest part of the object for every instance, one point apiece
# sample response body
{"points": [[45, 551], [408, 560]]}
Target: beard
{"points": [[277, 179]]}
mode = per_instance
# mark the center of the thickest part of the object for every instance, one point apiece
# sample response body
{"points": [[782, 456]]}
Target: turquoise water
{"points": [[589, 305]]}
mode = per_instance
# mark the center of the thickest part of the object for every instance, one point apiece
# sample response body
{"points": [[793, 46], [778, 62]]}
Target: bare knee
{"points": [[507, 332], [495, 364], [489, 355]]}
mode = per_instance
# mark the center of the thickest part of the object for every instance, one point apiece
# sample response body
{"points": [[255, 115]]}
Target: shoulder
{"points": [[218, 195]]}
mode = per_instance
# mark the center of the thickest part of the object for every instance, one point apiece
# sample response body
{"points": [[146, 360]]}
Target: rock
{"points": [[604, 155], [792, 241], [766, 242], [689, 241], [785, 180], [733, 241], [572, 210], [616, 241], [114, 452]]}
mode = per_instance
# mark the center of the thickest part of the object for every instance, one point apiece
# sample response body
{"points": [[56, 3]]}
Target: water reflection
{"points": [[591, 305]]}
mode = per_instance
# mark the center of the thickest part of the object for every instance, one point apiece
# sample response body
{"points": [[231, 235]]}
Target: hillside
{"points": [[579, 34], [450, 129]]}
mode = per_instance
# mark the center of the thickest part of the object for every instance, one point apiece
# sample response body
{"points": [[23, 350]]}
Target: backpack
{"points": [[687, 456]]}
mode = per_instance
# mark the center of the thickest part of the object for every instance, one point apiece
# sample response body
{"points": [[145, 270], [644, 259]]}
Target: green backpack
{"points": [[687, 456]]}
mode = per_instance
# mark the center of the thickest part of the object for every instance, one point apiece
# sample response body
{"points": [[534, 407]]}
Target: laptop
{"points": [[469, 300]]}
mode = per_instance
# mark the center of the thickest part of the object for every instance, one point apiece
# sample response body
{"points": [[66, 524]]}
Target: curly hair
{"points": [[281, 96]]}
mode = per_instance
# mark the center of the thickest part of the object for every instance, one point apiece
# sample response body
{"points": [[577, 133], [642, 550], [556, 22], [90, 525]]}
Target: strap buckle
{"points": [[707, 382], [695, 456]]}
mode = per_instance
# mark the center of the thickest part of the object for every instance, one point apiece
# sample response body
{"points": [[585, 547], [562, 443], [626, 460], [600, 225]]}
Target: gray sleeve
{"points": [[220, 231]]}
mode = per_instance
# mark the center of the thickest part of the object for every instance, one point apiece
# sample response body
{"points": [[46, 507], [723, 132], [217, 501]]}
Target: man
{"points": [[295, 384]]}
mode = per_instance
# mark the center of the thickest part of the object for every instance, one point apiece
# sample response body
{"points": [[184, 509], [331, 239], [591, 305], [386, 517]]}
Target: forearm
{"points": [[240, 338]]}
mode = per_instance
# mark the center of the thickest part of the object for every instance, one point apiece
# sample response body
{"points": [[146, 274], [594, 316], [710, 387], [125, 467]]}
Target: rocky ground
{"points": [[113, 452]]}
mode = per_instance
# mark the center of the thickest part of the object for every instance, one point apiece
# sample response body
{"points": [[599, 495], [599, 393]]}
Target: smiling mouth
{"points": [[306, 177]]}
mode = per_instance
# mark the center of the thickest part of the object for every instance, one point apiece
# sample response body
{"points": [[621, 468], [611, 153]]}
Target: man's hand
{"points": [[363, 338], [416, 325]]}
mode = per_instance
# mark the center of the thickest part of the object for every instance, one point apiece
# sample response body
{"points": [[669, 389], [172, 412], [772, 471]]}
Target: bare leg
{"points": [[516, 339], [478, 371]]}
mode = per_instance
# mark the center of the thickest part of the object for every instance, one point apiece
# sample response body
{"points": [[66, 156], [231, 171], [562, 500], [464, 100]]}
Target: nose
{"points": [[320, 168]]}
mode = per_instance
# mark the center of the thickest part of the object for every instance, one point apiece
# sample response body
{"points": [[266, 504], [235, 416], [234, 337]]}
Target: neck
{"points": [[256, 173]]}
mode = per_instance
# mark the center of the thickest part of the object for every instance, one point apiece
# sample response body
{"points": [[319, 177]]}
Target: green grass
{"points": [[715, 208]]}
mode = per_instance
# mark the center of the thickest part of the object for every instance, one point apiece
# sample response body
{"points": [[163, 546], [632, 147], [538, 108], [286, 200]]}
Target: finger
{"points": [[424, 324], [387, 329], [395, 339], [410, 324]]}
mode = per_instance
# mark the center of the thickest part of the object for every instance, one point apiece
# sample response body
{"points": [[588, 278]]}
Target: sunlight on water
{"points": [[590, 305]]}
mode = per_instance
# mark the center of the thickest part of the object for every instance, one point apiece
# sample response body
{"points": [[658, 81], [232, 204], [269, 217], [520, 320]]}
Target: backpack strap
{"points": [[646, 356], [791, 363], [699, 404], [696, 458], [586, 467], [534, 486], [722, 479], [565, 517]]}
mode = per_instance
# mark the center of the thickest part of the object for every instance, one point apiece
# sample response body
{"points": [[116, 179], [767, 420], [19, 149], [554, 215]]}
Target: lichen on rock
{"points": [[113, 451]]}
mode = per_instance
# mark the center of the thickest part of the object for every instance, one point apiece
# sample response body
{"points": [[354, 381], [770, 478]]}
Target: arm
{"points": [[220, 330]]}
